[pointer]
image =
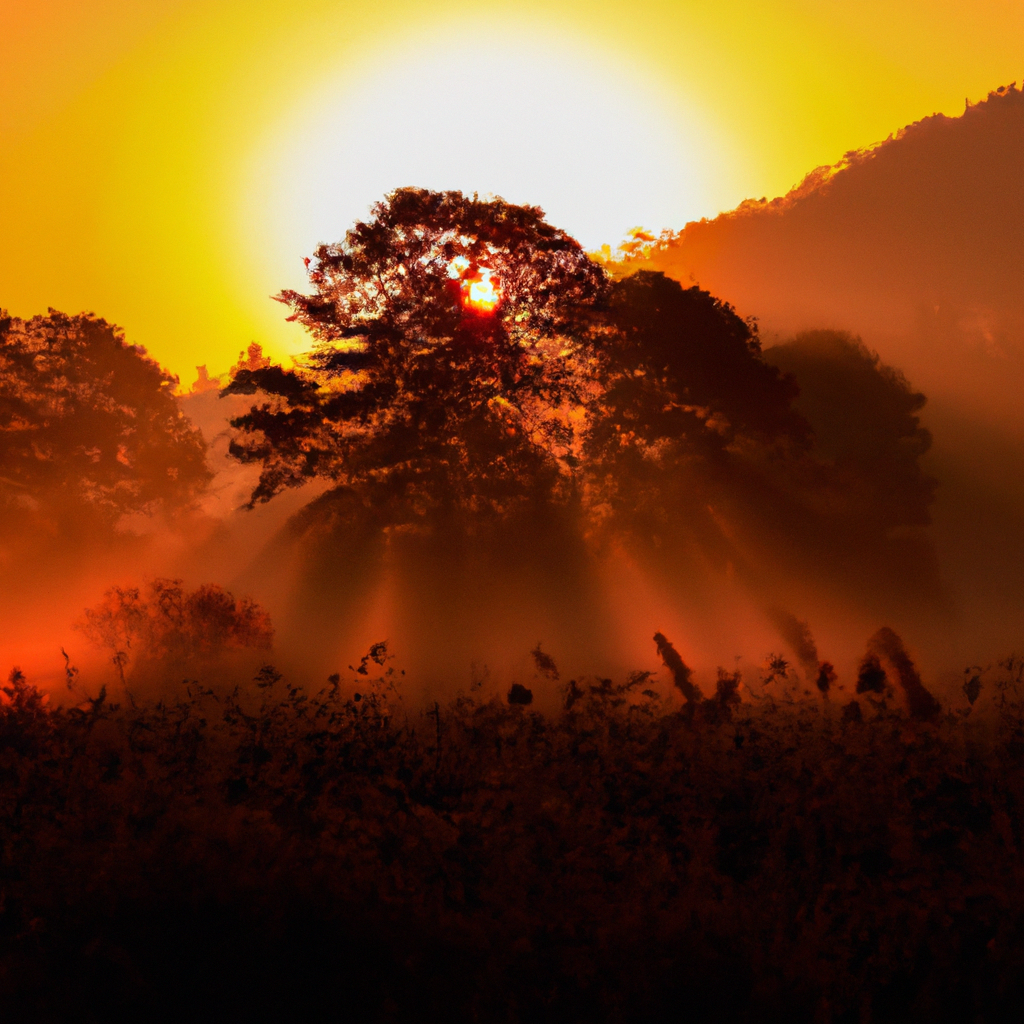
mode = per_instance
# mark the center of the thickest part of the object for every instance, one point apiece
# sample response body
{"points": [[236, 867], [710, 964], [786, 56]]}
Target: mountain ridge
{"points": [[914, 243]]}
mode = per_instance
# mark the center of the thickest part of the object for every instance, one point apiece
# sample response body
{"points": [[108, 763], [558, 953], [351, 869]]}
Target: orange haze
{"points": [[129, 128], [915, 245]]}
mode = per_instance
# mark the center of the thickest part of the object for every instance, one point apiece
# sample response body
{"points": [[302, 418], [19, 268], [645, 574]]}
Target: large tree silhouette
{"points": [[415, 401], [418, 398]]}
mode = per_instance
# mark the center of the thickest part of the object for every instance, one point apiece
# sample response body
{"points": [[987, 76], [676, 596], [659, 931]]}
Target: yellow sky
{"points": [[167, 163]]}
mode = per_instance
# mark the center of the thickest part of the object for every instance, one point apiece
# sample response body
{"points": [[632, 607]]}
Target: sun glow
{"points": [[482, 292], [590, 140]]}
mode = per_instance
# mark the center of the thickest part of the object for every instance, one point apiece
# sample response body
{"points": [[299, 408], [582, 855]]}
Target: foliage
{"points": [[89, 427], [174, 624], [278, 853], [685, 346], [601, 410], [866, 425], [411, 399], [419, 403], [690, 417]]}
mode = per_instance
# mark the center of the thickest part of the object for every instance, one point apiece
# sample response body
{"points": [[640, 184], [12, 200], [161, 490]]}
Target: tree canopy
{"points": [[866, 426], [89, 426], [415, 401], [688, 409], [470, 360]]}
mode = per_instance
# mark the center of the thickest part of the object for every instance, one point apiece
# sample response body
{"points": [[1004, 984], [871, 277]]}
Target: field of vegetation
{"points": [[336, 853]]}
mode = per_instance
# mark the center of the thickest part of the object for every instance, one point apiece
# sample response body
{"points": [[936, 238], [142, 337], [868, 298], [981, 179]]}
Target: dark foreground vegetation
{"points": [[283, 855]]}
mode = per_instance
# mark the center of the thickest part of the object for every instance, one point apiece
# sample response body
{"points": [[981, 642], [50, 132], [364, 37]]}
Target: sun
{"points": [[550, 123], [481, 292]]}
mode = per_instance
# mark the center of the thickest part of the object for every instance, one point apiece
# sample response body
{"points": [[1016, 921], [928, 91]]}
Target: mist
{"points": [[846, 461], [913, 249]]}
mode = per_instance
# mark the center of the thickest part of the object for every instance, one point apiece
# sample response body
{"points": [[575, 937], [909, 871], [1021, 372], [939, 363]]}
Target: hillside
{"points": [[915, 244]]}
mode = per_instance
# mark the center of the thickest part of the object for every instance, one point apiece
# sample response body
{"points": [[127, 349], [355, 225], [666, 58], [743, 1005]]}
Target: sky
{"points": [[168, 163]]}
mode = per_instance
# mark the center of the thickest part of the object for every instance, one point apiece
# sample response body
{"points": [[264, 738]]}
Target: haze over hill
{"points": [[915, 246], [910, 246]]}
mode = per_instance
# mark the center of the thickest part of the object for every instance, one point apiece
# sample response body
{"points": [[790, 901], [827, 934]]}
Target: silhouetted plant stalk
{"points": [[437, 741]]}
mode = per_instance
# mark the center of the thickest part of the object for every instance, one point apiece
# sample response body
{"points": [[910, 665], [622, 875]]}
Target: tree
{"points": [[694, 349], [689, 414], [866, 426], [452, 340], [89, 427], [172, 627], [471, 361]]}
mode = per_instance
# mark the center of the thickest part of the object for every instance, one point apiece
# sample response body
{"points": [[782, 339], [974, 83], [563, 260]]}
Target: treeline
{"points": [[580, 411]]}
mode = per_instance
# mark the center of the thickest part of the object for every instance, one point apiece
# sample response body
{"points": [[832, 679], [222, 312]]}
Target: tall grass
{"points": [[281, 853]]}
